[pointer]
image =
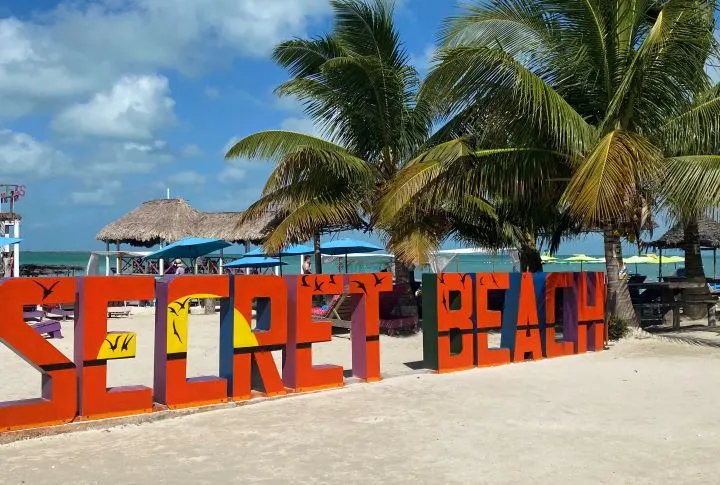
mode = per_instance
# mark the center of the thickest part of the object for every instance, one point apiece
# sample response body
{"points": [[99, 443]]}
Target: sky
{"points": [[105, 104]]}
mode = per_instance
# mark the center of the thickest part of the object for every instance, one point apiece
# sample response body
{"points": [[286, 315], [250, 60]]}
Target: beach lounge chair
{"points": [[62, 311], [51, 328], [117, 309], [338, 310], [394, 319], [31, 312]]}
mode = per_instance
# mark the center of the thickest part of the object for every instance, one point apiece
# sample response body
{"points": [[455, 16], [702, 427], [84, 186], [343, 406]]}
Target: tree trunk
{"points": [[618, 296], [209, 306], [530, 260], [694, 273], [405, 276], [318, 255]]}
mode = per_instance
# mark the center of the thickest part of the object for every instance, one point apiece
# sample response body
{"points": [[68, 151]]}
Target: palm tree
{"points": [[359, 88], [602, 84], [691, 189]]}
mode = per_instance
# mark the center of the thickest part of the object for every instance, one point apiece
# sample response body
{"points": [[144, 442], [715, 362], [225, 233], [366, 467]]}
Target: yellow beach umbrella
{"points": [[580, 258], [546, 258], [639, 260]]}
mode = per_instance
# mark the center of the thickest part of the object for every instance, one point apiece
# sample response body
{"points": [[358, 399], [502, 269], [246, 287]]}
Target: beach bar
{"points": [[164, 221]]}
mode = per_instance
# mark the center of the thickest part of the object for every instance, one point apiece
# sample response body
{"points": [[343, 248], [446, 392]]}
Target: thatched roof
{"points": [[675, 238], [224, 225], [170, 220]]}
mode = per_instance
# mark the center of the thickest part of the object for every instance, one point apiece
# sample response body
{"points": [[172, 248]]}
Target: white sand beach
{"points": [[641, 412]]}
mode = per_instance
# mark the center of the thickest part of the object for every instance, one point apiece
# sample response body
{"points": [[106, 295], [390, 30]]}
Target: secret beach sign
{"points": [[459, 310]]}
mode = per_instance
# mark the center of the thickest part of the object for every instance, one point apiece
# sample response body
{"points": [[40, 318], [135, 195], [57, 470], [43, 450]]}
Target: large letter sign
{"points": [[527, 321], [264, 318], [58, 402]]}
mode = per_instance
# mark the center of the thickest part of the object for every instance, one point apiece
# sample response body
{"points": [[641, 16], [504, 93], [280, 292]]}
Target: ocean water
{"points": [[464, 263]]}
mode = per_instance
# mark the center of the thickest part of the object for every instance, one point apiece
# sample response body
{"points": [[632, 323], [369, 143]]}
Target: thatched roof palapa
{"points": [[169, 220], [224, 225], [675, 238]]}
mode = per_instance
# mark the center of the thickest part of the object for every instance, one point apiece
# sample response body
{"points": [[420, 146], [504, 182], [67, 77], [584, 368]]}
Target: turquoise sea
{"points": [[463, 263]]}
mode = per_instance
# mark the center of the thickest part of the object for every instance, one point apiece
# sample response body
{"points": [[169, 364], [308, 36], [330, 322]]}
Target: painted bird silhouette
{"points": [[494, 281], [361, 285], [304, 282], [378, 280], [332, 279], [481, 282], [463, 278], [126, 342], [46, 291], [441, 278], [444, 302], [113, 346], [175, 332], [172, 310], [182, 305], [318, 285]]}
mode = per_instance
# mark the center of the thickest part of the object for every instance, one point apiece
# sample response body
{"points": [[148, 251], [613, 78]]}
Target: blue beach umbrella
{"points": [[294, 250], [6, 241], [254, 262], [347, 246], [191, 247]]}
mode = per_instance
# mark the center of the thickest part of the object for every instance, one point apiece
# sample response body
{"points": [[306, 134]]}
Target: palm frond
{"points": [[274, 145], [692, 183], [469, 74], [604, 187]]}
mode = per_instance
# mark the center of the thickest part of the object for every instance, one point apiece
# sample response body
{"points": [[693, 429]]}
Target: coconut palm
{"points": [[691, 189], [359, 88], [602, 84]]}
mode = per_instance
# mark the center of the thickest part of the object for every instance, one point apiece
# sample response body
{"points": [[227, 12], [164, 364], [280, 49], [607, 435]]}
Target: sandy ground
{"points": [[642, 412], [400, 355]]}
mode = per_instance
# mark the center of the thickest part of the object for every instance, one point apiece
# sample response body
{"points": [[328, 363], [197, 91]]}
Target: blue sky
{"points": [[104, 104]]}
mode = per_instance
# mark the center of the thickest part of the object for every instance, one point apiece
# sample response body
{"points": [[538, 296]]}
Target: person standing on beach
{"points": [[307, 265], [179, 266]]}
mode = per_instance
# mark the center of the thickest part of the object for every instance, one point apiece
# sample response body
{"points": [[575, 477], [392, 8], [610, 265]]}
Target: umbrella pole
{"points": [[346, 266], [280, 267], [660, 269]]}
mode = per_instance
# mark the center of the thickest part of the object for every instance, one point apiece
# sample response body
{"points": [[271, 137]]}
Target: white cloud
{"points": [[289, 103], [23, 155], [103, 194], [79, 48], [187, 177], [236, 200], [135, 108], [119, 159], [212, 92], [300, 125], [232, 173], [191, 151], [423, 61]]}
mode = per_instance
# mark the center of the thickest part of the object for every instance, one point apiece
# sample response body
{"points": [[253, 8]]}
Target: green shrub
{"points": [[617, 329]]}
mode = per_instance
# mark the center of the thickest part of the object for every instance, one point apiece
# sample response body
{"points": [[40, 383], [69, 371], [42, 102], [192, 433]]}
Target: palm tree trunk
{"points": [[209, 306], [618, 297], [694, 273], [318, 255], [405, 278], [530, 260]]}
